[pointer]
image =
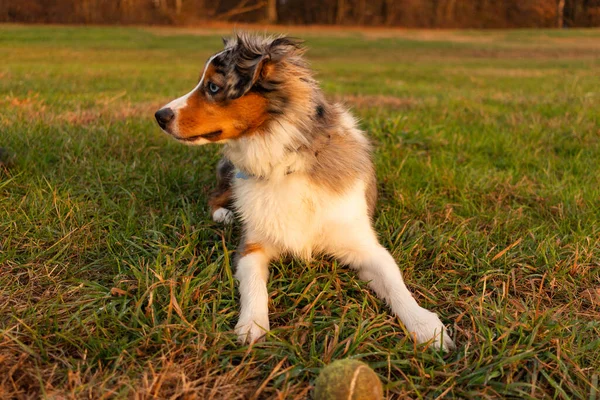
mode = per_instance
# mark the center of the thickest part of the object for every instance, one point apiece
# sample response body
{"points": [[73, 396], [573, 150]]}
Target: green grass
{"points": [[114, 282]]}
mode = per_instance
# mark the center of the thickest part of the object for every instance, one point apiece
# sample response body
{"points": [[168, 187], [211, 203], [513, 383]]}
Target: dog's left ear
{"points": [[263, 69]]}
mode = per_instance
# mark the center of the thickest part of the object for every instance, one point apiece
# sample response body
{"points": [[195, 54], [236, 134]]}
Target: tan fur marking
{"points": [[371, 194], [220, 199], [251, 248], [234, 118], [265, 69]]}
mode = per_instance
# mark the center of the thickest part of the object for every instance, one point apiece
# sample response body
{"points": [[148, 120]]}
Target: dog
{"points": [[296, 170]]}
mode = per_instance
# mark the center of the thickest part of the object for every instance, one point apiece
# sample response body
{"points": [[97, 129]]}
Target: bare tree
{"points": [[272, 11], [406, 13], [160, 4], [241, 8], [390, 10], [362, 10], [341, 11], [560, 13]]}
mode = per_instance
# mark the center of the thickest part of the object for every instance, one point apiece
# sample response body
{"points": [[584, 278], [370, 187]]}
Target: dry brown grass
{"points": [[376, 101], [115, 283], [32, 108]]}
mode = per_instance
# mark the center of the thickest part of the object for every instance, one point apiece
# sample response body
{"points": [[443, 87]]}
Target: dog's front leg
{"points": [[253, 273], [220, 200]]}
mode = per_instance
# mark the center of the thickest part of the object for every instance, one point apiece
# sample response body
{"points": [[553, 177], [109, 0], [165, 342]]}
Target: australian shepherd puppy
{"points": [[296, 170]]}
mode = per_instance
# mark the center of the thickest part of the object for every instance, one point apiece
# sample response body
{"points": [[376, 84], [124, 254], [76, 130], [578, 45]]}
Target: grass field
{"points": [[115, 283]]}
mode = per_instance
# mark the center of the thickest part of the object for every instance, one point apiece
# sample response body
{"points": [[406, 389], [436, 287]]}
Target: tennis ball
{"points": [[348, 379]]}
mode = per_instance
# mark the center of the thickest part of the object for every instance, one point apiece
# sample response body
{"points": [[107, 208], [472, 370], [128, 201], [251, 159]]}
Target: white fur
{"points": [[223, 215], [269, 155], [288, 213], [252, 272]]}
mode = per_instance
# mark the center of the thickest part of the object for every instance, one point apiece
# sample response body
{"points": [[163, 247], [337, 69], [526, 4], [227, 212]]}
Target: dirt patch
{"points": [[217, 28], [577, 42], [446, 35], [30, 106], [506, 72], [33, 109], [375, 101], [368, 32], [117, 112]]}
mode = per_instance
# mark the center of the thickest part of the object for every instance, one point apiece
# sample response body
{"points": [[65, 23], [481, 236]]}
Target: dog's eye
{"points": [[213, 87]]}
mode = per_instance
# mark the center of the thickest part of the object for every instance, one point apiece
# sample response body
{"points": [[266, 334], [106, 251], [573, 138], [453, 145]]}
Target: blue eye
{"points": [[213, 88]]}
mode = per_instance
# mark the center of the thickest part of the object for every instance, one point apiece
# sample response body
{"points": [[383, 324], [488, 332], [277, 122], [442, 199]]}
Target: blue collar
{"points": [[242, 175]]}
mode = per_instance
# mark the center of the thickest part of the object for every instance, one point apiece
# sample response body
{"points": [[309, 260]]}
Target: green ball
{"points": [[348, 380]]}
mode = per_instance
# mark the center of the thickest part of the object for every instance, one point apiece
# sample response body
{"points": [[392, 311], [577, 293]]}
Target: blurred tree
{"points": [[272, 11], [340, 12], [405, 13], [560, 11]]}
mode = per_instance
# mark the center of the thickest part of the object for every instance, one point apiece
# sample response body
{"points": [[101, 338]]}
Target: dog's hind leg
{"points": [[220, 200], [377, 266]]}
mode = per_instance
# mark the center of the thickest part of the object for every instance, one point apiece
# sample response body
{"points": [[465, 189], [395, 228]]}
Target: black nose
{"points": [[164, 116]]}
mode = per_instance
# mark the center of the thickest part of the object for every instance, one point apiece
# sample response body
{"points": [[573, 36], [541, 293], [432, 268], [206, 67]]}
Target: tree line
{"points": [[392, 13]]}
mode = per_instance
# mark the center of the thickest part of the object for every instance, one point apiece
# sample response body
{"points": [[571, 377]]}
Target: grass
{"points": [[114, 282]]}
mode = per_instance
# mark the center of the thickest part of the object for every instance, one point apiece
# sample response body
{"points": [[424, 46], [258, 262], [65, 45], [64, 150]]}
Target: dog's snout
{"points": [[164, 116]]}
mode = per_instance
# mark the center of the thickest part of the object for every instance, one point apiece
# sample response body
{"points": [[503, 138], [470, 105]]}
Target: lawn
{"points": [[115, 283]]}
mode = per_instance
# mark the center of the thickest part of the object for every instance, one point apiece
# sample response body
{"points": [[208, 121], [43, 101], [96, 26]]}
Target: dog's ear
{"points": [[275, 52], [256, 58], [283, 47], [263, 69]]}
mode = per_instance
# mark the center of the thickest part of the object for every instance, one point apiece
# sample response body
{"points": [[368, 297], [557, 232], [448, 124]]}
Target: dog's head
{"points": [[252, 81]]}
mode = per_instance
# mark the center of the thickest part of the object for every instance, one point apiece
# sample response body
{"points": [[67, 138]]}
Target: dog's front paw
{"points": [[251, 330], [222, 215], [427, 327]]}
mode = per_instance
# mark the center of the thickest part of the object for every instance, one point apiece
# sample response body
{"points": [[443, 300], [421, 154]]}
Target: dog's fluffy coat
{"points": [[297, 171]]}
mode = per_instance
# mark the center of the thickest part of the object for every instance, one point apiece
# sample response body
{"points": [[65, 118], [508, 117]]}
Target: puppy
{"points": [[296, 170]]}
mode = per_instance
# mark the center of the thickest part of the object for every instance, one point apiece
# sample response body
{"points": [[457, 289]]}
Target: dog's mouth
{"points": [[209, 135]]}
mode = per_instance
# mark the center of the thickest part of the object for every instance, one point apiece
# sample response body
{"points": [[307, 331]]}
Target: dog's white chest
{"points": [[285, 213]]}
